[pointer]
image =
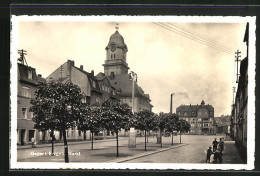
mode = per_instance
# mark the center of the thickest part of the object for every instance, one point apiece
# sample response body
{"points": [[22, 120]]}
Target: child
{"points": [[209, 152]]}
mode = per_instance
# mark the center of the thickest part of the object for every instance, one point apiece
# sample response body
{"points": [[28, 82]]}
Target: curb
{"points": [[143, 154], [61, 144]]}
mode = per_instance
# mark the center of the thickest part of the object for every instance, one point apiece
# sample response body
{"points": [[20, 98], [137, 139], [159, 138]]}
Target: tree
{"points": [[161, 122], [90, 120], [59, 104], [183, 126], [115, 115], [144, 121], [172, 124]]}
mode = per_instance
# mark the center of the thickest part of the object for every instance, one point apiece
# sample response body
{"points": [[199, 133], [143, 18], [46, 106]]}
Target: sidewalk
{"points": [[230, 153], [29, 146]]}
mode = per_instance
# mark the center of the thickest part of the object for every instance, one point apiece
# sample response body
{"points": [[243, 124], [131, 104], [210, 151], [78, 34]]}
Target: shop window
{"points": [[31, 135]]}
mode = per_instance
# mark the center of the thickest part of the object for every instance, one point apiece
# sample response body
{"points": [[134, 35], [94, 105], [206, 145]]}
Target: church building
{"points": [[116, 70]]}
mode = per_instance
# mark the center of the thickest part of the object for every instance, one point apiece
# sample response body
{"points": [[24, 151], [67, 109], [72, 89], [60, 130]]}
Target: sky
{"points": [[165, 62]]}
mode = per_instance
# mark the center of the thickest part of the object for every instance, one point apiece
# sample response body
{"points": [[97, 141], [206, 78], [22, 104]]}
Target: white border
{"points": [[162, 166]]}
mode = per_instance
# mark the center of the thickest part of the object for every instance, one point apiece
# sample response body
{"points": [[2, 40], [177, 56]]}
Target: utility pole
{"points": [[171, 104], [234, 91], [22, 56], [237, 60], [61, 69]]}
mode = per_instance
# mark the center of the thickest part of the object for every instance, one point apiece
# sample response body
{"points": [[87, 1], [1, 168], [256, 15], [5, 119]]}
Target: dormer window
{"points": [[94, 84], [30, 74]]}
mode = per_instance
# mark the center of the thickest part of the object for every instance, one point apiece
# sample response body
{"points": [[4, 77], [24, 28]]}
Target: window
{"points": [[114, 55], [94, 84], [31, 135], [24, 113], [30, 74], [199, 113], [111, 56], [26, 91]]}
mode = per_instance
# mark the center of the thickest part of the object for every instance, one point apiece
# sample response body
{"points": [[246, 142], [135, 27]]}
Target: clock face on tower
{"points": [[113, 48]]}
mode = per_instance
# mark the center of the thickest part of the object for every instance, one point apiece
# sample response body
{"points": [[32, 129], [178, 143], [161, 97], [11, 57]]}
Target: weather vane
{"points": [[117, 26]]}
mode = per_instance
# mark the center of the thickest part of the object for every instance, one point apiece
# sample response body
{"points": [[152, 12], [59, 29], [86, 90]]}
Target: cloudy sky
{"points": [[166, 62]]}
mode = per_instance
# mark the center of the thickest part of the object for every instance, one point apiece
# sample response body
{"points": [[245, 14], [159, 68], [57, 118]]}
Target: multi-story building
{"points": [[27, 84], [223, 124], [239, 111], [200, 117]]}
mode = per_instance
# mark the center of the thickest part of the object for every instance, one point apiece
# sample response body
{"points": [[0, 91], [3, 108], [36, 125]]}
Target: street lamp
{"points": [[133, 77], [171, 104], [132, 134]]}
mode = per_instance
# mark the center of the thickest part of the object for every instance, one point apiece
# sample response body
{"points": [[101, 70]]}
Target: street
{"points": [[193, 150]]}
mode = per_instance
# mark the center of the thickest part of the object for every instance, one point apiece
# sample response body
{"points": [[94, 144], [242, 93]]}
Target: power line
{"points": [[197, 39], [202, 37], [191, 37]]}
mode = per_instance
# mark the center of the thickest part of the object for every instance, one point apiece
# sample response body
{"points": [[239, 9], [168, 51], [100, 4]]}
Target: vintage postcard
{"points": [[132, 92]]}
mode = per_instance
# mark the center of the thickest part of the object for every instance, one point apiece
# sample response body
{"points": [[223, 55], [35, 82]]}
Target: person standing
{"points": [[215, 144], [209, 153], [221, 144]]}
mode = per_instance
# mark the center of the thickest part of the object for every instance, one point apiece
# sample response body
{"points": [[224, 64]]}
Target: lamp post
{"points": [[132, 133], [171, 104], [133, 77]]}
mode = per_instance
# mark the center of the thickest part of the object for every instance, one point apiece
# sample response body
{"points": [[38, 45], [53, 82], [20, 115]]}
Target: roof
{"points": [[124, 85], [190, 108], [90, 77], [23, 71], [117, 39]]}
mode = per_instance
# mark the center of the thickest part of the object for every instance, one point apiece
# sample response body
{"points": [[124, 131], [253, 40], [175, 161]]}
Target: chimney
{"points": [[92, 72], [81, 67], [39, 75], [71, 62]]}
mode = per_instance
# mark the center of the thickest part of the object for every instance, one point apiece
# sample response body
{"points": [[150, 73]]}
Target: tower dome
{"points": [[117, 39]]}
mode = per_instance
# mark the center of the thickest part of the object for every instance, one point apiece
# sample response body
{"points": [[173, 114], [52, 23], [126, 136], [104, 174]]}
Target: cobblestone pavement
{"points": [[104, 151], [194, 152]]}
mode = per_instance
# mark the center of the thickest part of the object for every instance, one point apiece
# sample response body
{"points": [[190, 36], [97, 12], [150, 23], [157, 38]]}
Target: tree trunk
{"points": [[85, 137], [147, 135], [180, 137], [144, 140], [44, 135], [172, 138], [60, 135], [161, 137], [92, 136], [117, 152], [52, 143], [65, 145]]}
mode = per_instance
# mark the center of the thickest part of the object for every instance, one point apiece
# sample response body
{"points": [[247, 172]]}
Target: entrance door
{"points": [[23, 136]]}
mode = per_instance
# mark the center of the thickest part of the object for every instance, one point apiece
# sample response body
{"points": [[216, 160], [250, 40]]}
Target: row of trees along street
{"points": [[58, 106]]}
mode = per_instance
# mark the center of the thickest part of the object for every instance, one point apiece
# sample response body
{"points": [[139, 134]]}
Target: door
{"points": [[23, 136]]}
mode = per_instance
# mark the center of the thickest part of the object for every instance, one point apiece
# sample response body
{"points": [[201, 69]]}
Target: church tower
{"points": [[115, 63]]}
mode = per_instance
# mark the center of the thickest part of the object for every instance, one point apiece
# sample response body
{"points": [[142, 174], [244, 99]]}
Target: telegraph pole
{"points": [[234, 90], [22, 56], [237, 60]]}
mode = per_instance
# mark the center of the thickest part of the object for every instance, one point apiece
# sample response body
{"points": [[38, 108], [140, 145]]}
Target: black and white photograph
{"points": [[136, 92]]}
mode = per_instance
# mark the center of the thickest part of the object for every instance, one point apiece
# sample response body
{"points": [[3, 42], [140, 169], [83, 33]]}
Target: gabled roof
{"points": [[90, 77], [124, 85]]}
